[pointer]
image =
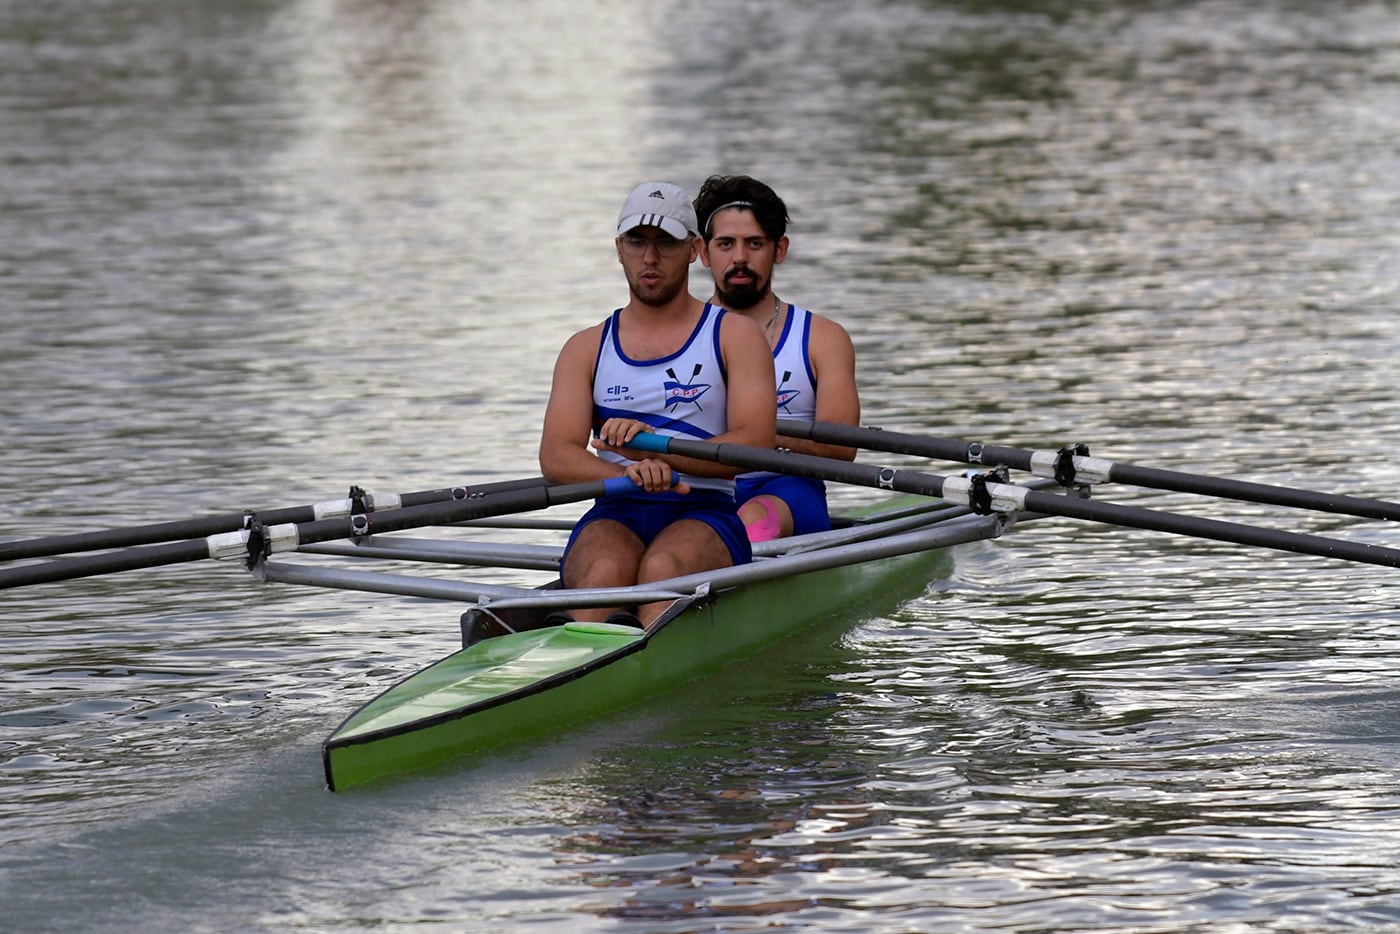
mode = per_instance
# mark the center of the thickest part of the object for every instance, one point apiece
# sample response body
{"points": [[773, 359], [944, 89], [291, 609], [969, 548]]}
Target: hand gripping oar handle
{"points": [[1005, 497], [1079, 467], [262, 540]]}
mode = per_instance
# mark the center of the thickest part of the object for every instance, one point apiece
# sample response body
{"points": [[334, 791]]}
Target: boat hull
{"points": [[521, 685]]}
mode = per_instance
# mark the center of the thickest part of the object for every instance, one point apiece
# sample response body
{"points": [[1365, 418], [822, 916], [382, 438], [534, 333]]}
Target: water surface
{"points": [[254, 253]]}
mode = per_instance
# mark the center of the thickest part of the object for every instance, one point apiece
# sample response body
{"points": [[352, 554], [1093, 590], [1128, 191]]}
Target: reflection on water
{"points": [[258, 252]]}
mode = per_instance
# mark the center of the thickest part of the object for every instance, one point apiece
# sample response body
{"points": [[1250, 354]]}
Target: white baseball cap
{"points": [[659, 204]]}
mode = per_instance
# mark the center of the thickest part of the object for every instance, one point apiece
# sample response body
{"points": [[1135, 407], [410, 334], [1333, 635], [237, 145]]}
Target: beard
{"points": [[658, 295], [743, 295]]}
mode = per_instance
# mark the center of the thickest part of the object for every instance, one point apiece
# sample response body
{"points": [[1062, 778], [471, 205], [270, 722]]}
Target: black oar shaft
{"points": [[413, 517], [149, 556], [288, 536], [229, 522], [972, 452], [1248, 491], [1012, 497], [1214, 529], [123, 538]]}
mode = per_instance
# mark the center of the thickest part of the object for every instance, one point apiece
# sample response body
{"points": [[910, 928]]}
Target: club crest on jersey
{"points": [[786, 396], [690, 392]]}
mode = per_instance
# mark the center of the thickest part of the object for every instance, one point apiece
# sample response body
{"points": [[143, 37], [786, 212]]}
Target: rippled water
{"points": [[253, 253]]}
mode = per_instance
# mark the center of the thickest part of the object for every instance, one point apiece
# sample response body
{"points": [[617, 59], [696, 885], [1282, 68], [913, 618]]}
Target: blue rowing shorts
{"points": [[646, 514], [805, 498]]}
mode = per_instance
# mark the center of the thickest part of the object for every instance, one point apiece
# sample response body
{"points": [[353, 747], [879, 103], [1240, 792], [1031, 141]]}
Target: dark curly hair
{"points": [[724, 190]]}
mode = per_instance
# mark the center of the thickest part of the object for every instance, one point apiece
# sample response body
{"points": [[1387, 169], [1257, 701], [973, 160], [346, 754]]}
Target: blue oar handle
{"points": [[650, 441], [614, 485], [644, 441]]}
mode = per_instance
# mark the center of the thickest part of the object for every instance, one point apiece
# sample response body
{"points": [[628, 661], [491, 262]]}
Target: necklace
{"points": [[772, 319], [768, 328]]}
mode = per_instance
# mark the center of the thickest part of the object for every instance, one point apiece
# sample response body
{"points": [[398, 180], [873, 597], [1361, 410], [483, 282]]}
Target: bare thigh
{"points": [[605, 554], [683, 547]]}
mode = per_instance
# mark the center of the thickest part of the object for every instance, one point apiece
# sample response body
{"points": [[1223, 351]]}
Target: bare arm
{"points": [[833, 359], [753, 392], [565, 455]]}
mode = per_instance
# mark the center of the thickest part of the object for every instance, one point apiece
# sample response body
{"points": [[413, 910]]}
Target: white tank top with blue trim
{"points": [[681, 395], [797, 386]]}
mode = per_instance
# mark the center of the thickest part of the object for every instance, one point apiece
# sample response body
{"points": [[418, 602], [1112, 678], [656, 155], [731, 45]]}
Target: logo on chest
{"points": [[786, 396], [678, 393]]}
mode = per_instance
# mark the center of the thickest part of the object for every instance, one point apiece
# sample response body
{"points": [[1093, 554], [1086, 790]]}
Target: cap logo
{"points": [[674, 214]]}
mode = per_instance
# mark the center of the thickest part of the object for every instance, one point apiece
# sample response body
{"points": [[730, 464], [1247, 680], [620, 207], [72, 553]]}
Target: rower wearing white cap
{"points": [[668, 363]]}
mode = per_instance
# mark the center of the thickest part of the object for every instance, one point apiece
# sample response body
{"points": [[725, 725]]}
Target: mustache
{"points": [[739, 271]]}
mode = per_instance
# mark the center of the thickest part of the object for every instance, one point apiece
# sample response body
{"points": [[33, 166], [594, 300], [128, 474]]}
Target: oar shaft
{"points": [[790, 462], [149, 556], [1215, 529], [1092, 469], [124, 538], [231, 522], [288, 536], [1248, 491], [1010, 497]]}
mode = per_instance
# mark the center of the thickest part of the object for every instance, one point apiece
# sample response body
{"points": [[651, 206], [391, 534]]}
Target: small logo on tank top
{"points": [[690, 392], [618, 393], [785, 396]]}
